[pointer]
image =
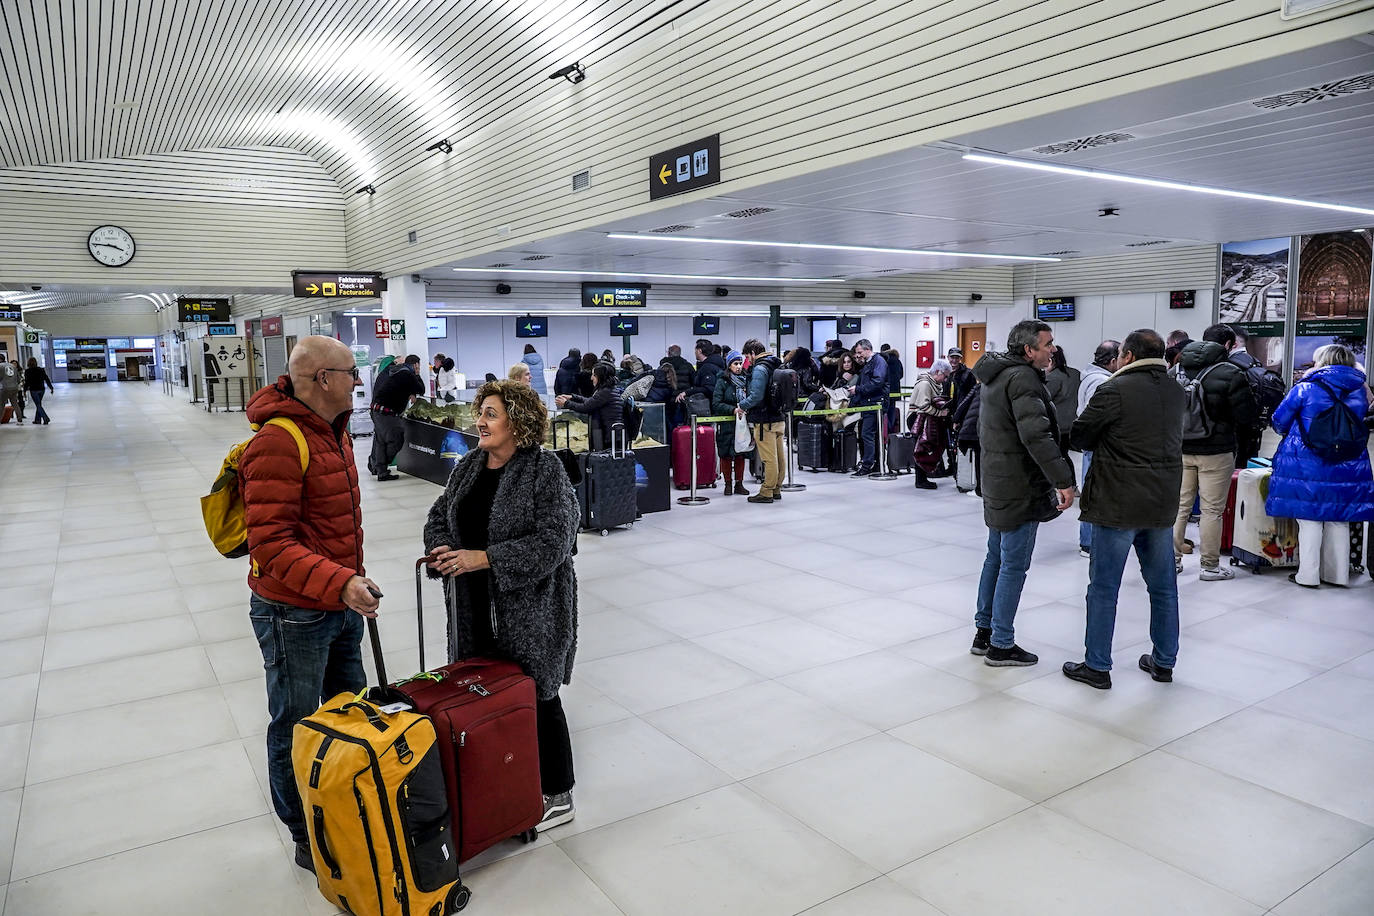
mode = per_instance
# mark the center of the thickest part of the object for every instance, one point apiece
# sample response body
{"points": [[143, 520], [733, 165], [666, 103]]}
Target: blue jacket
{"points": [[871, 388], [536, 364], [1305, 486]]}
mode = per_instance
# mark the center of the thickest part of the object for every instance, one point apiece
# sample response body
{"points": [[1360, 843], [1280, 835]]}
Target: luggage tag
{"points": [[392, 708]]}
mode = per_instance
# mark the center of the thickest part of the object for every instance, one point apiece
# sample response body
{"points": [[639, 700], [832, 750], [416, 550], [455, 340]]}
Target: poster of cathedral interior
{"points": [[1333, 275], [1254, 280]]}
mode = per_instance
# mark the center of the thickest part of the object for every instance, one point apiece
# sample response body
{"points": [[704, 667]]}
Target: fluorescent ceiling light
{"points": [[621, 273], [817, 245], [1160, 183]]}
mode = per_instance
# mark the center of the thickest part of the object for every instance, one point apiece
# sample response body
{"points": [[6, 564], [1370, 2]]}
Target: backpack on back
{"points": [[632, 415], [1265, 386], [782, 389], [1335, 434], [1196, 422], [222, 508]]}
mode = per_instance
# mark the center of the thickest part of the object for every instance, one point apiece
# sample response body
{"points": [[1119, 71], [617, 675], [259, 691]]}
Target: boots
{"points": [[729, 487], [739, 488], [922, 481]]}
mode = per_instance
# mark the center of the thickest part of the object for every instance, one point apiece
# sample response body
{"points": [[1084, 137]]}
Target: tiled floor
{"points": [[775, 711]]}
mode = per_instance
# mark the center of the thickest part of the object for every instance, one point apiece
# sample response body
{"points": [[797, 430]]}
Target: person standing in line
{"points": [[870, 388], [392, 394], [1105, 362], [1133, 425], [11, 388], [305, 543], [896, 371], [35, 377], [565, 380], [685, 370], [830, 363], [604, 409], [1063, 381], [1322, 492], [965, 426], [766, 420], [961, 377], [1026, 480], [1209, 461], [536, 364], [929, 420], [520, 374], [732, 386], [696, 400], [1268, 390]]}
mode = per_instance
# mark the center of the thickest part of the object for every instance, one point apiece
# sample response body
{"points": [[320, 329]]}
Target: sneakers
{"points": [[1084, 552], [389, 476], [760, 498], [1215, 574], [1079, 671], [862, 470], [303, 857], [982, 641], [558, 809], [1014, 657], [1163, 675]]}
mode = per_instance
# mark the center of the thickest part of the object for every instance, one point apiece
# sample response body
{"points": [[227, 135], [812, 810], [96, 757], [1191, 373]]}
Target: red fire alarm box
{"points": [[925, 354]]}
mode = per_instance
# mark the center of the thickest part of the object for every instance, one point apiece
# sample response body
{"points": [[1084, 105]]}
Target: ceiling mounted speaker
{"points": [[860, 294], [722, 291], [503, 289]]}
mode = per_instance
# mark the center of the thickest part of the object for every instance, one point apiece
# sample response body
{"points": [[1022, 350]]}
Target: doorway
{"points": [[973, 340]]}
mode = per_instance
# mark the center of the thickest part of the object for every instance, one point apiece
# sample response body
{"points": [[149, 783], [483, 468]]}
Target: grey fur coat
{"points": [[533, 585]]}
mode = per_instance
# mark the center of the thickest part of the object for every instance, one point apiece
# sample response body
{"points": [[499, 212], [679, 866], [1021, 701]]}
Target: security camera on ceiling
{"points": [[503, 289], [976, 297], [860, 294], [573, 73], [722, 291]]}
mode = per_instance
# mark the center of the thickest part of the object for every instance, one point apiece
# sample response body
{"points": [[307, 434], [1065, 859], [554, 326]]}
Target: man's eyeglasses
{"points": [[351, 371]]}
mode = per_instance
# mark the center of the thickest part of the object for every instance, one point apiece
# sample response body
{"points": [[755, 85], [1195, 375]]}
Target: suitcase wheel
{"points": [[604, 532], [458, 898], [528, 836]]}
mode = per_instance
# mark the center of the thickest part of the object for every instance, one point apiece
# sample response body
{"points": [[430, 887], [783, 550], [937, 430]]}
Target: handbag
{"points": [[698, 405], [744, 440], [929, 434]]}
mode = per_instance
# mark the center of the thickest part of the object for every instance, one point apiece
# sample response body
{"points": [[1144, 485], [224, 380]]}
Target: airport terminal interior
{"points": [[773, 709]]}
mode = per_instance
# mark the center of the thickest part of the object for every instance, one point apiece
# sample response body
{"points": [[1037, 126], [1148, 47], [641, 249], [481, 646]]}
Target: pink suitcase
{"points": [[706, 456]]}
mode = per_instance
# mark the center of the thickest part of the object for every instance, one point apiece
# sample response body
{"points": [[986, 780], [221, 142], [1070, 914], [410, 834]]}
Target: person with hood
{"points": [[765, 419], [631, 366], [870, 388], [1323, 494], [800, 361], [1134, 425], [732, 386], [536, 364], [710, 367], [1208, 461], [585, 386], [604, 408], [965, 426], [305, 540], [1026, 480], [1105, 362], [565, 380], [1063, 380], [830, 363]]}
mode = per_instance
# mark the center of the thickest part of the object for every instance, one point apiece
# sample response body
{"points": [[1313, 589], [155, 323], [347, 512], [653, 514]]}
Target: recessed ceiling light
{"points": [[1161, 183], [622, 273], [824, 247]]}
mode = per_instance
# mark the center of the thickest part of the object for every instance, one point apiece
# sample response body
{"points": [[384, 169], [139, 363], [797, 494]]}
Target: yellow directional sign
{"points": [[312, 289], [664, 174], [336, 284], [685, 168]]}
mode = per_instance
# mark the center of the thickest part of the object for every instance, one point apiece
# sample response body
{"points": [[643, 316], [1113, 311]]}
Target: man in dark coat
{"points": [[1209, 461], [830, 362], [1025, 478], [710, 367], [398, 386], [565, 380], [683, 368], [869, 388], [961, 377], [1133, 425]]}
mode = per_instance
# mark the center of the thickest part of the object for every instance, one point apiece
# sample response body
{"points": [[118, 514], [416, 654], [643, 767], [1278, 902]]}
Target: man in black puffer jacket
{"points": [[1133, 425], [1022, 468], [1208, 462]]}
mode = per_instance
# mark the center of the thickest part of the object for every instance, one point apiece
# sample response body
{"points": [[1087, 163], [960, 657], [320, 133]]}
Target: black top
{"points": [[475, 511], [35, 377], [396, 388]]}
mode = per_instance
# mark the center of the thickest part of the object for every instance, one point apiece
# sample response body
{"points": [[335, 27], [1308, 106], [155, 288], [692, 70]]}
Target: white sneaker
{"points": [[1082, 552], [558, 809], [1215, 574]]}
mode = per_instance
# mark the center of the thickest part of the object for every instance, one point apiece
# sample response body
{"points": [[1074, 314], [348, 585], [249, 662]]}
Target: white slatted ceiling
{"points": [[1145, 271]]}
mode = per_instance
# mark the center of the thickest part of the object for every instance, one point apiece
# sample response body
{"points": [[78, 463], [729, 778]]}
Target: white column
{"points": [[405, 299]]}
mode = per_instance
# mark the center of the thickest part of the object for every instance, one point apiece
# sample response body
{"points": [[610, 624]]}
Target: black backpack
{"points": [[1335, 434], [1265, 385], [782, 389], [632, 415]]}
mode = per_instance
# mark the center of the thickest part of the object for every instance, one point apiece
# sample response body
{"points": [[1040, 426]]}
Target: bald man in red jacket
{"points": [[305, 541]]}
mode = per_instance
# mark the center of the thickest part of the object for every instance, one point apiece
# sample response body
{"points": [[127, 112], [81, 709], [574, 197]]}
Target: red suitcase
{"points": [[7, 413], [706, 456], [1228, 517], [484, 713]]}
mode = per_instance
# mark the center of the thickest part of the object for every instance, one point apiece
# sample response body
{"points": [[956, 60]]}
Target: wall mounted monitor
{"points": [[1054, 308], [531, 327], [848, 325], [787, 325], [436, 328], [622, 326], [705, 326]]}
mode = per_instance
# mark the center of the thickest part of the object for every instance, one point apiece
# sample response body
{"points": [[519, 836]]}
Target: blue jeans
{"points": [[310, 656], [868, 435], [1085, 530], [39, 414], [1004, 575], [1154, 547]]}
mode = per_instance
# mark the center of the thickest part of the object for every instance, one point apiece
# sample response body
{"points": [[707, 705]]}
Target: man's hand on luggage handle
{"points": [[361, 593], [1065, 499]]}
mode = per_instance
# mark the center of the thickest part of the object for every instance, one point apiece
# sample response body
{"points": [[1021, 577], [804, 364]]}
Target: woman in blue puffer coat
{"points": [[1324, 496]]}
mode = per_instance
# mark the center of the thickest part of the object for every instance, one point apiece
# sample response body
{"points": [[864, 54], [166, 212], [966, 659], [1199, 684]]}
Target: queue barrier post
{"points": [[790, 487], [693, 499]]}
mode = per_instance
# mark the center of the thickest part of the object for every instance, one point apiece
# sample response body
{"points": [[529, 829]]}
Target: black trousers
{"points": [[388, 438], [555, 747]]}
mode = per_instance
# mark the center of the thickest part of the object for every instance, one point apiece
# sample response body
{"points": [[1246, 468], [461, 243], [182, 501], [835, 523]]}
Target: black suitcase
{"points": [[844, 454], [607, 493], [813, 446], [901, 452]]}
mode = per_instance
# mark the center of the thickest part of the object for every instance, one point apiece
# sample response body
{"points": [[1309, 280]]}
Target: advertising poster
{"points": [[1253, 295], [1333, 294]]}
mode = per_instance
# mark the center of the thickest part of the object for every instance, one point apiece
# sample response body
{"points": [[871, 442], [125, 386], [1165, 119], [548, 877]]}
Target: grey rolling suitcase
{"points": [[607, 494]]}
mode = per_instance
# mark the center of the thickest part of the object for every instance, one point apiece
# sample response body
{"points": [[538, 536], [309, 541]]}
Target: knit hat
{"points": [[734, 355]]}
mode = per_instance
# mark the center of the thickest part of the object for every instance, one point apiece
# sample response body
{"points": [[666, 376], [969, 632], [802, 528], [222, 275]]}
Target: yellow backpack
{"points": [[222, 509]]}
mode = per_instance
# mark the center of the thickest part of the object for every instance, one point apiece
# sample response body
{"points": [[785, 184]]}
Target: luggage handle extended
{"points": [[618, 427], [420, 605]]}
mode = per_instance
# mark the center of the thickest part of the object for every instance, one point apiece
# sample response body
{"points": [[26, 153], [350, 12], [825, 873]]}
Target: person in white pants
{"points": [[1321, 473]]}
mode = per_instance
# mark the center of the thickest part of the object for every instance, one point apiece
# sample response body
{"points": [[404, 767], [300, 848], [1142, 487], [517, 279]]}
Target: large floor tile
{"points": [[883, 689], [115, 609], [21, 656], [227, 871], [18, 697], [700, 617], [1337, 701], [1039, 862], [949, 651], [873, 816], [587, 707], [83, 817], [663, 676], [14, 755], [680, 860], [1033, 751], [757, 728], [120, 640], [883, 622], [1346, 889], [543, 881], [1300, 641], [780, 647], [9, 826], [615, 633], [24, 624], [1257, 844], [879, 897], [138, 677]]}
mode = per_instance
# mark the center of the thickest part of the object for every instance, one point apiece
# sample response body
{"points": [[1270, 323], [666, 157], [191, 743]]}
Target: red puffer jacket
{"points": [[305, 535]]}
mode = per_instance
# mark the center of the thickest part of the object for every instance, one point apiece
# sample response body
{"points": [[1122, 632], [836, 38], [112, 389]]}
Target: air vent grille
{"points": [[1147, 244], [748, 212], [502, 264], [582, 180], [1059, 254], [536, 257], [1082, 143], [675, 227], [1332, 90]]}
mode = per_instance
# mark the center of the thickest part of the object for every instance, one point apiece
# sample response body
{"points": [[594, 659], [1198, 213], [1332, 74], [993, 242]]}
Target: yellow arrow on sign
{"points": [[664, 174], [312, 289]]}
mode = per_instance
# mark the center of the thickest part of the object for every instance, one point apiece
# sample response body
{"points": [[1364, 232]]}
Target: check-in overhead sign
{"points": [[333, 284], [202, 309], [685, 168], [614, 296], [11, 313]]}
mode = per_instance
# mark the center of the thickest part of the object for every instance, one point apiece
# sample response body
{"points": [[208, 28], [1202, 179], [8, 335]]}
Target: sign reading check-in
{"points": [[317, 284], [685, 168]]}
